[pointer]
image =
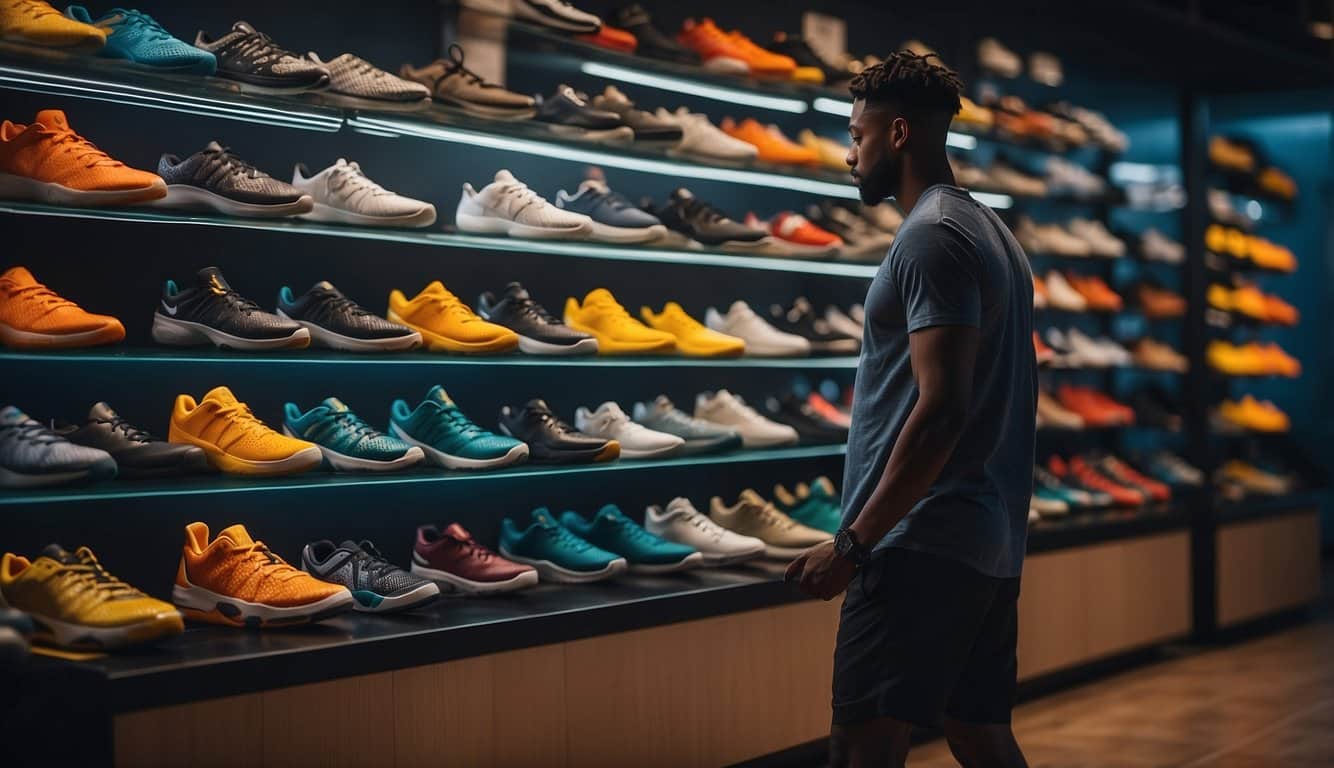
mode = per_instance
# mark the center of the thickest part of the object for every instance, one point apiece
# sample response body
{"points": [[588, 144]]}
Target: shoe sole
{"points": [[549, 571], [623, 134], [727, 65], [606, 233], [104, 470], [269, 85], [768, 442], [450, 582], [201, 604], [439, 458], [687, 350], [761, 349], [341, 462], [323, 337], [530, 346], [487, 225], [482, 110], [366, 601], [303, 460], [84, 637], [634, 454], [679, 241], [613, 347], [330, 215], [14, 187], [693, 560], [608, 452], [435, 342], [190, 198], [175, 332], [14, 338], [700, 447]]}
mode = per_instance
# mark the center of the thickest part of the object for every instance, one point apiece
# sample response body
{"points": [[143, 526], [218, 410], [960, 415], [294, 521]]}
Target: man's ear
{"points": [[898, 133]]}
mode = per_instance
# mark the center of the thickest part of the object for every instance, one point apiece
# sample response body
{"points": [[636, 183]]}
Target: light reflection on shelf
{"points": [[692, 88]]}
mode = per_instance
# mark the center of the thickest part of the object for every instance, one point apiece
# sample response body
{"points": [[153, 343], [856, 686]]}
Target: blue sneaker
{"points": [[615, 219], [614, 532], [32, 455], [136, 36], [556, 553], [348, 443], [448, 438], [815, 506]]}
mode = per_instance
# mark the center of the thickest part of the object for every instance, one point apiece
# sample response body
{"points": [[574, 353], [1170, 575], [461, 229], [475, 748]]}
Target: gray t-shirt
{"points": [[954, 262]]}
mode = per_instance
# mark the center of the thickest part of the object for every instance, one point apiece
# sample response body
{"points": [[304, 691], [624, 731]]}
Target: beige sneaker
{"points": [[754, 516], [1155, 355], [1053, 415]]}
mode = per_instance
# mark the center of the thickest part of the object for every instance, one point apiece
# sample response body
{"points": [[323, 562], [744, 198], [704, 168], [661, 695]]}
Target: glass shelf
{"points": [[220, 484]]}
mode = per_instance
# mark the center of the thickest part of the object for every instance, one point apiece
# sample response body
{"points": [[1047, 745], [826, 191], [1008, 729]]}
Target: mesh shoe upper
{"points": [[332, 425], [359, 567], [326, 306], [49, 150], [27, 305], [519, 312], [346, 187], [662, 415], [136, 36], [217, 170], [74, 587], [30, 448], [250, 56], [219, 419], [34, 21], [508, 198], [354, 76], [237, 566], [600, 203], [439, 423], [213, 303]]}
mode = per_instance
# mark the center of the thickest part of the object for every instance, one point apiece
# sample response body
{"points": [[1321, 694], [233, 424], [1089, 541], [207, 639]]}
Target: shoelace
{"points": [[564, 538], [519, 192], [352, 422], [449, 305], [82, 149], [679, 315], [269, 563], [455, 418], [472, 549], [30, 431], [336, 302], [237, 301], [48, 299], [362, 67], [89, 574], [529, 308], [33, 9], [240, 415], [614, 312], [373, 563], [357, 183], [696, 208], [554, 421], [220, 163], [132, 432], [456, 67], [259, 47], [146, 24], [705, 525], [635, 532]]}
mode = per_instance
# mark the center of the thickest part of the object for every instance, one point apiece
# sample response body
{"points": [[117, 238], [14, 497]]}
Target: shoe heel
{"points": [[174, 333]]}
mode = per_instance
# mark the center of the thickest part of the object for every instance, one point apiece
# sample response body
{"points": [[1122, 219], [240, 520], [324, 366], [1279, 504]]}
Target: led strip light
{"points": [[692, 88]]}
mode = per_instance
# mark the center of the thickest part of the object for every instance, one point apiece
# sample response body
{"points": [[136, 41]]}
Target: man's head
{"points": [[901, 107]]}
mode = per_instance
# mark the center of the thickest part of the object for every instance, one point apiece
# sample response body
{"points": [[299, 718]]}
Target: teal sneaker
{"points": [[556, 553], [348, 443], [647, 553], [448, 438], [136, 36], [815, 506]]}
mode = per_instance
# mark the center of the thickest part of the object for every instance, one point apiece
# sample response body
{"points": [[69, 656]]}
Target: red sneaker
{"points": [[1125, 474], [454, 560], [1092, 478]]}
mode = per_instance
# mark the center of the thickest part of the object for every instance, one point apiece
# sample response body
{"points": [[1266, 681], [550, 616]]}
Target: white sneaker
{"points": [[1062, 295], [1055, 239], [762, 339], [637, 441], [1102, 242], [1098, 353], [999, 59], [842, 323], [507, 206], [701, 138], [343, 194], [731, 411], [858, 313], [682, 523], [556, 14], [1155, 246]]}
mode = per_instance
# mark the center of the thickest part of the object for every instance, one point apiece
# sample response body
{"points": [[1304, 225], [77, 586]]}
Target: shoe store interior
{"points": [[450, 382]]}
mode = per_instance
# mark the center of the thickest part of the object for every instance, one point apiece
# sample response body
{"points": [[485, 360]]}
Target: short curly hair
{"points": [[911, 80]]}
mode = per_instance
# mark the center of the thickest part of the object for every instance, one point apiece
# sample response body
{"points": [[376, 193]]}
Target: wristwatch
{"points": [[847, 547]]}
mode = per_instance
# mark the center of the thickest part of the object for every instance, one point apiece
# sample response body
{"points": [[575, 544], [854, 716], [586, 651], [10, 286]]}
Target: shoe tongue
{"points": [[52, 118], [439, 395], [612, 93], [600, 296], [612, 409], [60, 554], [435, 287], [596, 185], [751, 498], [101, 412], [516, 291], [663, 404], [11, 416], [505, 177], [537, 404], [213, 146], [350, 545], [610, 512], [221, 395], [681, 193], [543, 517], [680, 506], [335, 405], [21, 276], [324, 285], [454, 530], [237, 535], [823, 486], [212, 276], [242, 26], [740, 307]]}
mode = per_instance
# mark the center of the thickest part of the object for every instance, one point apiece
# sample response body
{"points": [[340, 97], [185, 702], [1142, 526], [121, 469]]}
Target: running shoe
{"points": [[256, 63], [693, 339], [799, 234], [1068, 490], [454, 560], [1079, 471], [539, 332], [701, 138], [211, 312], [652, 43], [637, 441], [612, 39], [32, 456], [615, 219], [752, 516], [236, 442], [137, 453], [567, 113], [700, 436], [237, 581], [617, 333], [761, 338], [448, 438], [1128, 476], [812, 428], [213, 179], [137, 37], [348, 443], [556, 14], [377, 585], [337, 322], [556, 553], [360, 82], [551, 440], [694, 222], [33, 316], [731, 411], [645, 552], [832, 154], [814, 506], [843, 323], [682, 523], [770, 142], [800, 320], [447, 324], [47, 162], [344, 194], [731, 52], [648, 128], [454, 85], [507, 206], [76, 603], [35, 22]]}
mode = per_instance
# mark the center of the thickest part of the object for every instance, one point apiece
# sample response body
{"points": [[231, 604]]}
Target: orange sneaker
{"points": [[237, 581], [1278, 362], [732, 52], [1044, 353], [1279, 311], [1040, 299], [1160, 303], [612, 38], [47, 162], [796, 229], [33, 316], [1100, 297], [772, 144]]}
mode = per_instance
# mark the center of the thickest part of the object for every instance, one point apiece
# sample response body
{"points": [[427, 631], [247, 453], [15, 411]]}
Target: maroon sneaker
{"points": [[458, 563]]}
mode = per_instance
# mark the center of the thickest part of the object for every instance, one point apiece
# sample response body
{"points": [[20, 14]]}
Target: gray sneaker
{"points": [[32, 455], [377, 585], [700, 436], [455, 85], [213, 179], [357, 79]]}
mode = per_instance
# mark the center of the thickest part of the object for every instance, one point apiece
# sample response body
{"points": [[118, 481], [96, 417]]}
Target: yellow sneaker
{"points": [[75, 603], [235, 440], [832, 154], [692, 338], [1257, 415], [808, 75], [37, 23], [447, 324], [617, 333]]}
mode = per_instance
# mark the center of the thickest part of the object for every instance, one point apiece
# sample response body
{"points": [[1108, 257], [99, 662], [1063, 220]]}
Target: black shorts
{"points": [[922, 636]]}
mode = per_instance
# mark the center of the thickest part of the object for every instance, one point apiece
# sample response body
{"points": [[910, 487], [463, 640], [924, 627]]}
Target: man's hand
{"points": [[821, 572]]}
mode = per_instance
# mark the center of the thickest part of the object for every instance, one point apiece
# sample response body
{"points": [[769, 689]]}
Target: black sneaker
{"points": [[801, 319], [652, 43], [213, 179], [694, 221], [377, 585], [551, 440], [796, 48], [137, 453], [648, 128], [567, 113], [213, 313], [337, 322], [252, 59], [861, 241], [812, 428], [539, 332]]}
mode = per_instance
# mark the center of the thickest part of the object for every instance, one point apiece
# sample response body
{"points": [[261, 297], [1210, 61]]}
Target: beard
{"points": [[882, 182]]}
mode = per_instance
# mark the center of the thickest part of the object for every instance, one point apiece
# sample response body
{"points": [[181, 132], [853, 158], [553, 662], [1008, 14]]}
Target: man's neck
{"points": [[918, 177]]}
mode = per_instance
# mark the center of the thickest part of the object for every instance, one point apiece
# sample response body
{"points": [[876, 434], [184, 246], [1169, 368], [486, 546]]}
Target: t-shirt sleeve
{"points": [[938, 278]]}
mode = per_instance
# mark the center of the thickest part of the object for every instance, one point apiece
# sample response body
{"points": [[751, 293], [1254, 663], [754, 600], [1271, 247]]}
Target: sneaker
{"points": [[137, 453], [732, 52], [612, 39], [212, 313], [814, 506], [732, 412], [213, 179], [811, 427], [832, 154], [1174, 470], [615, 219], [47, 162], [997, 58], [137, 37], [1062, 295], [550, 440], [256, 63], [800, 320], [75, 602], [236, 442], [507, 206], [1053, 415], [1102, 242], [700, 436], [653, 44], [454, 560], [1155, 246], [645, 552], [348, 443], [702, 139], [1090, 476], [617, 333], [682, 523], [772, 145], [762, 339], [37, 23], [1128, 476], [360, 82], [695, 221], [377, 585], [1097, 294], [648, 128], [796, 48], [1075, 497], [783, 537], [778, 246], [237, 581], [539, 332], [637, 441], [1047, 504], [798, 230], [34, 317], [449, 438], [556, 553], [33, 456], [447, 324], [567, 113], [841, 322], [454, 85], [556, 14], [692, 338], [335, 321], [861, 241], [343, 194]]}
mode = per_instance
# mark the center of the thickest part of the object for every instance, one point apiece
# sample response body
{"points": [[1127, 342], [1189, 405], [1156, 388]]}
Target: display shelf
{"points": [[1082, 529], [209, 485], [1257, 506]]}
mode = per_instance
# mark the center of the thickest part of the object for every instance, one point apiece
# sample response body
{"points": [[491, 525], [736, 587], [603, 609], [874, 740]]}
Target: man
{"points": [[940, 458]]}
